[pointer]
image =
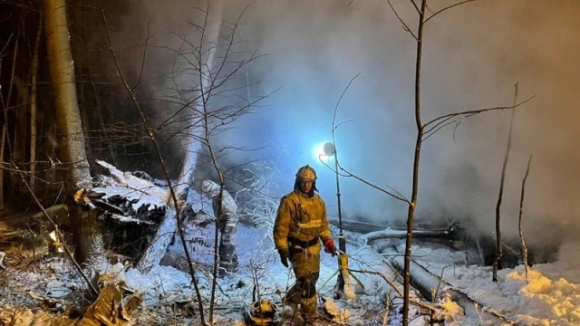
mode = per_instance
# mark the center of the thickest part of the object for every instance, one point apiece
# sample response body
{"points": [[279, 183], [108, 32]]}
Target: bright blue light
{"points": [[318, 151]]}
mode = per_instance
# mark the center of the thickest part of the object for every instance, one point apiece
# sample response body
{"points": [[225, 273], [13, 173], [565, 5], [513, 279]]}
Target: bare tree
{"points": [[71, 141], [424, 131], [33, 103], [206, 102], [201, 93], [522, 241], [192, 132], [498, 252]]}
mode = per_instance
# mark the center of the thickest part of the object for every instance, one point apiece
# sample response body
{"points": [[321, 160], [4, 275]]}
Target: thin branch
{"points": [[143, 59], [426, 135], [338, 103], [447, 8], [405, 27], [68, 253], [366, 271], [473, 112], [347, 121], [6, 45], [395, 194], [416, 7], [443, 121]]}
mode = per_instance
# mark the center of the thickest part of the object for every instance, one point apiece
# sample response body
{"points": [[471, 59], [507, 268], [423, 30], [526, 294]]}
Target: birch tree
{"points": [[71, 142]]}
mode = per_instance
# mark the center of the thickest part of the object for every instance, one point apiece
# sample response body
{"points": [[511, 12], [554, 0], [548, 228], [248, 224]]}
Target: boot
{"points": [[309, 310]]}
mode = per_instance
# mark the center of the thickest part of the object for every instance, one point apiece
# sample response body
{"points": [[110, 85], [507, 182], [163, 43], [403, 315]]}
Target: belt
{"points": [[303, 244]]}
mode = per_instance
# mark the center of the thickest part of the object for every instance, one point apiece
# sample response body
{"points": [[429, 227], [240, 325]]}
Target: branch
{"points": [[398, 195], [142, 59], [365, 271], [338, 103], [395, 194], [59, 234], [416, 7], [405, 27], [447, 8], [474, 112], [438, 127]]}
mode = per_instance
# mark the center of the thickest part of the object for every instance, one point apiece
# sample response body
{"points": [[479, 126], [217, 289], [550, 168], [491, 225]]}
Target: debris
{"points": [[111, 308], [332, 312], [262, 313]]}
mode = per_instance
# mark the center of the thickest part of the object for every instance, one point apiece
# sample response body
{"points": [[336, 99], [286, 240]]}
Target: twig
{"points": [[473, 112], [60, 237], [405, 27], [447, 8]]}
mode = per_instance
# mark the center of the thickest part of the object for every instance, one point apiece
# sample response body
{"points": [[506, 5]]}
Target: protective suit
{"points": [[227, 224], [301, 223]]}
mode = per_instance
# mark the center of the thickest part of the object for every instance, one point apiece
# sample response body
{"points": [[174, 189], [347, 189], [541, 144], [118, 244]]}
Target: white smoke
{"points": [[473, 56]]}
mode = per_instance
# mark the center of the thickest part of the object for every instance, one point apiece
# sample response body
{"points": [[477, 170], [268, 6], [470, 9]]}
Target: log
{"points": [[425, 282], [453, 232], [356, 226]]}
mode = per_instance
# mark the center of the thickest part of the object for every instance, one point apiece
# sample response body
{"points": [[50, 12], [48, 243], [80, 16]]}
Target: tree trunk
{"points": [[33, 106], [416, 163], [426, 282], [521, 232], [70, 137], [498, 253], [2, 144]]}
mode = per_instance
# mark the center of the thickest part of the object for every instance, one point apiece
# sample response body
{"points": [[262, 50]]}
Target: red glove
{"points": [[329, 247]]}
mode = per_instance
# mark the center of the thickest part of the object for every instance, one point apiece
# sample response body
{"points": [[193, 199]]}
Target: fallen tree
{"points": [[428, 283], [453, 232]]}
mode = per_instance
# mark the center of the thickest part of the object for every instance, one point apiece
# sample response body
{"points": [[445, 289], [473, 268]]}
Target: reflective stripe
{"points": [[311, 224]]}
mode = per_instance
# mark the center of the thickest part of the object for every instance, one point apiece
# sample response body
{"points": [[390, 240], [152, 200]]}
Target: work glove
{"points": [[329, 247], [284, 255]]}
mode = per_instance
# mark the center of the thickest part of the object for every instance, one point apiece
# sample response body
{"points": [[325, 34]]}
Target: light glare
{"points": [[319, 151]]}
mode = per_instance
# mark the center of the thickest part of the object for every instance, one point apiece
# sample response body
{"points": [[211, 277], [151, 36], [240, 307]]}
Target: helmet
{"points": [[306, 173]]}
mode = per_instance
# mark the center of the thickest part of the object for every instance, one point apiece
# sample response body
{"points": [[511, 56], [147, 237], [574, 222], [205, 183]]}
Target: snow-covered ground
{"points": [[550, 295]]}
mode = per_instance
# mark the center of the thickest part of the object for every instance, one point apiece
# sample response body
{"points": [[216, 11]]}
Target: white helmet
{"points": [[306, 173]]}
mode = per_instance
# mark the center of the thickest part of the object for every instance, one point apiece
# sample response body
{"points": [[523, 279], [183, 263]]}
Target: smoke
{"points": [[473, 55]]}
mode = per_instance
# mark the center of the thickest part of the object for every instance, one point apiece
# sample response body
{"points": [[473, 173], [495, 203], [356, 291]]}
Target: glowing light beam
{"points": [[318, 151]]}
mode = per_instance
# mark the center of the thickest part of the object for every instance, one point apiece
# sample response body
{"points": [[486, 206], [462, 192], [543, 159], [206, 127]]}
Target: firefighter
{"points": [[301, 224], [227, 223]]}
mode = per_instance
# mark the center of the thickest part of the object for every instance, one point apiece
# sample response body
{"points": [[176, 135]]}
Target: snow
{"points": [[550, 295]]}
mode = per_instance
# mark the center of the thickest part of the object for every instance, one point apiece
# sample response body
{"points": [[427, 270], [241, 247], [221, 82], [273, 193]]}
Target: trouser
{"points": [[227, 249], [306, 267]]}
